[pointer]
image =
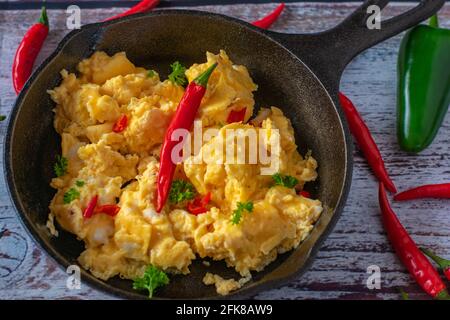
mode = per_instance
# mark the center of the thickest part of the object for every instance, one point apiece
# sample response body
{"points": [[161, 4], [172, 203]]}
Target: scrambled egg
{"points": [[121, 168]]}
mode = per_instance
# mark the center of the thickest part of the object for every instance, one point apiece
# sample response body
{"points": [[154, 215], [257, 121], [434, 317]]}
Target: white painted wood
{"points": [[339, 272]]}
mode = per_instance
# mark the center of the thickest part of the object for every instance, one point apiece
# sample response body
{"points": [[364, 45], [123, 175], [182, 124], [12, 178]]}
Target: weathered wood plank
{"points": [[358, 240]]}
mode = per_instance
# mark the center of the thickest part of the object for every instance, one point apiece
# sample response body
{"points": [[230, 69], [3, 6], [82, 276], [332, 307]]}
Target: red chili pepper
{"points": [[120, 124], [365, 142], [426, 191], [183, 119], [28, 51], [198, 205], [415, 261], [305, 194], [444, 264], [89, 211], [236, 115], [141, 7], [268, 20], [109, 209]]}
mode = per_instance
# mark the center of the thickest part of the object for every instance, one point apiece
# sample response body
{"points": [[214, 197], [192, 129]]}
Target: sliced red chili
{"points": [[305, 194], [198, 205], [120, 124], [109, 209], [236, 115], [269, 19], [141, 7], [183, 119], [89, 211]]}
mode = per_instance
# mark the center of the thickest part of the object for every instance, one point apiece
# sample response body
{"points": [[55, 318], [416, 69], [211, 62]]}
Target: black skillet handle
{"points": [[327, 53]]}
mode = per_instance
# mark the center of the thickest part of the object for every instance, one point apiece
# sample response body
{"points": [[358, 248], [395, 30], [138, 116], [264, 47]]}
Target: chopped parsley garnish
{"points": [[151, 73], [79, 183], [285, 181], [60, 166], [71, 195], [177, 76], [152, 279], [180, 191], [2, 117], [241, 208]]}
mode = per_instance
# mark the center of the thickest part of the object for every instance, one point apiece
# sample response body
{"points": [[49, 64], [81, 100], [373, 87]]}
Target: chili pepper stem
{"points": [[43, 18], [443, 295], [202, 79], [442, 263], [434, 21]]}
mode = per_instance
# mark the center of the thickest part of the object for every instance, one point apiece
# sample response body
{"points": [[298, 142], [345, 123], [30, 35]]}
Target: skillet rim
{"points": [[108, 289]]}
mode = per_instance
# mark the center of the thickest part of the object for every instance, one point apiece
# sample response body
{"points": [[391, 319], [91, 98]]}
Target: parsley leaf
{"points": [[285, 181], [181, 190], [241, 207], [2, 117], [177, 76], [79, 183], [71, 195], [152, 279], [60, 166], [151, 73]]}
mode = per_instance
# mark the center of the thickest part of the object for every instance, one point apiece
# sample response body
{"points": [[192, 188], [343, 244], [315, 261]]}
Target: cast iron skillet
{"points": [[299, 73]]}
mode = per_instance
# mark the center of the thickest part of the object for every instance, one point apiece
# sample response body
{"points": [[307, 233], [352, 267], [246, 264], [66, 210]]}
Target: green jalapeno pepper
{"points": [[423, 94]]}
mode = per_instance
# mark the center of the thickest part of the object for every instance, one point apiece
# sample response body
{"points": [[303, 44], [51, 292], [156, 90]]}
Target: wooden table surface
{"points": [[358, 240]]}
